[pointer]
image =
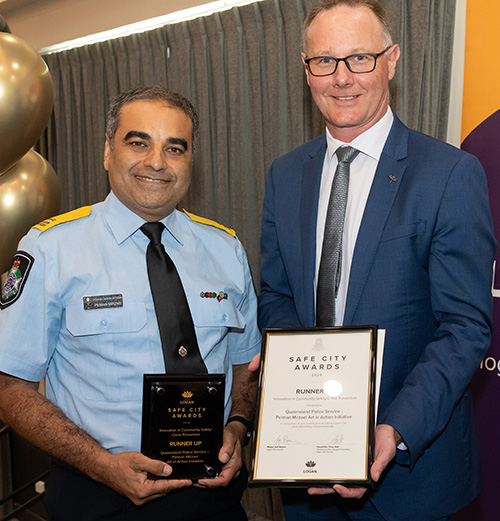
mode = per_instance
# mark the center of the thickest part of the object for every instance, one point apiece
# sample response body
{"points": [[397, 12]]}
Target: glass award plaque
{"points": [[182, 423], [316, 407]]}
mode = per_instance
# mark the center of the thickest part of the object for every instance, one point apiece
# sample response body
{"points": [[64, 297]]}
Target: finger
{"points": [[254, 363], [219, 481], [156, 467], [348, 492], [383, 459], [378, 467], [230, 441], [164, 486], [225, 454], [139, 463], [229, 472], [160, 488], [178, 483], [320, 491]]}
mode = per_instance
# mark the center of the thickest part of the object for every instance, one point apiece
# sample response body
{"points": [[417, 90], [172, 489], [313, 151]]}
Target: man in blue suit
{"points": [[417, 256]]}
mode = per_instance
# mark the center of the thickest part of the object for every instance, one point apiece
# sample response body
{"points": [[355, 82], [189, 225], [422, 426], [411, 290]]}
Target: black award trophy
{"points": [[182, 423]]}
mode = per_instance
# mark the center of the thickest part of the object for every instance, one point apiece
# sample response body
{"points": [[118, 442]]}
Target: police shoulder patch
{"points": [[209, 222], [16, 277], [84, 211]]}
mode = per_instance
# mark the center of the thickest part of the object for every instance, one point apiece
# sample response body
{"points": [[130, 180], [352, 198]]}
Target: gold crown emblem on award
{"points": [[187, 394]]}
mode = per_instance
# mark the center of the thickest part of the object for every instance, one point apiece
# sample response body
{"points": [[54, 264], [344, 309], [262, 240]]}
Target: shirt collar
{"points": [[371, 142], [173, 224], [123, 222]]}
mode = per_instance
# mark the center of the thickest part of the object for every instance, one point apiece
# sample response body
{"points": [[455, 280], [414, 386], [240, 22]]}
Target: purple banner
{"points": [[484, 143]]}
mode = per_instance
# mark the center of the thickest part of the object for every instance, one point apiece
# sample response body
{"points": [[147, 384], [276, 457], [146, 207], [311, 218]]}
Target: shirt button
{"points": [[104, 323], [224, 317], [182, 351]]}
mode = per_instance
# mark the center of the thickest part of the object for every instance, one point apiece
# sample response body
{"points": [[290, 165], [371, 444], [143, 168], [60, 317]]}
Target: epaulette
{"points": [[209, 222], [84, 211]]}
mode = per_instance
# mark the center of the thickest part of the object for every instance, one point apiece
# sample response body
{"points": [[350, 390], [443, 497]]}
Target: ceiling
{"points": [[10, 6]]}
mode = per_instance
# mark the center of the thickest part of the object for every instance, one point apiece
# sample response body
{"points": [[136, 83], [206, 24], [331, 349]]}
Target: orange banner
{"points": [[482, 66]]}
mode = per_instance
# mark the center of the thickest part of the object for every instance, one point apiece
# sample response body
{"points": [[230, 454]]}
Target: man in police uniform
{"points": [[94, 359]]}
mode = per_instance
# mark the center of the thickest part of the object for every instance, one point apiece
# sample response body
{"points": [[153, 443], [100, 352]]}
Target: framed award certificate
{"points": [[316, 407]]}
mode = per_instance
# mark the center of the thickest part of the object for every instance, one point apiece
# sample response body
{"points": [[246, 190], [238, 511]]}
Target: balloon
{"points": [[29, 193], [4, 27], [26, 99]]}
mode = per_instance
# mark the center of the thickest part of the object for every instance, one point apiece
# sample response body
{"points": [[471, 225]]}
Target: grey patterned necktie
{"points": [[331, 254]]}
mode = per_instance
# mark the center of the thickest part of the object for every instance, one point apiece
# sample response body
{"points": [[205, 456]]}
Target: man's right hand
{"points": [[45, 425], [127, 474]]}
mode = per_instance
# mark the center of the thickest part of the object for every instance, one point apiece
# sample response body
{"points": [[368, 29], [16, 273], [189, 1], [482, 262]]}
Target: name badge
{"points": [[103, 301]]}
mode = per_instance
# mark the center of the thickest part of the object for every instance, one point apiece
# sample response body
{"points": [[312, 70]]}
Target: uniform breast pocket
{"points": [[212, 320], [107, 346]]}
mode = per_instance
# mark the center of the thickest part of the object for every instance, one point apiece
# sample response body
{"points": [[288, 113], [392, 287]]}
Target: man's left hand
{"points": [[254, 363], [230, 456], [386, 441]]}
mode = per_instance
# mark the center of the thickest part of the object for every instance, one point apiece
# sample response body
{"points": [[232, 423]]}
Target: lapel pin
{"points": [[392, 179]]}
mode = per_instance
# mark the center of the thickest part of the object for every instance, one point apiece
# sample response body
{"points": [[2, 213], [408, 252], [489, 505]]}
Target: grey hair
{"points": [[326, 5], [150, 93]]}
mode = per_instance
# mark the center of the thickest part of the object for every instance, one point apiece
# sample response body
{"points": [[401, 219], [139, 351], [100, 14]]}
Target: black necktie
{"points": [[331, 254], [178, 338]]}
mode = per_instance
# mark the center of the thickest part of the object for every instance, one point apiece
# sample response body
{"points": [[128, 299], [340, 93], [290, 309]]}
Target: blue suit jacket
{"points": [[421, 270]]}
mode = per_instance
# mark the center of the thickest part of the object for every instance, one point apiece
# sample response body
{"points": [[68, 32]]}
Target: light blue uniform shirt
{"points": [[94, 360]]}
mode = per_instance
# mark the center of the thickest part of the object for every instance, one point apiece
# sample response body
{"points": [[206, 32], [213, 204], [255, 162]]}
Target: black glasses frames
{"points": [[359, 63]]}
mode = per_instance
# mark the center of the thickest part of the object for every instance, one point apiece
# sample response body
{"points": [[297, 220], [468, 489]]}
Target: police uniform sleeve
{"points": [[30, 312], [245, 345]]}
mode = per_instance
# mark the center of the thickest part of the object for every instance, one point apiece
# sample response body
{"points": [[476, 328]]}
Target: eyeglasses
{"points": [[360, 63]]}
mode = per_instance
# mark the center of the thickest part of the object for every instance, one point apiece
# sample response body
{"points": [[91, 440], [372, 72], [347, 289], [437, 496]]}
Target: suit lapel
{"points": [[386, 183], [311, 179]]}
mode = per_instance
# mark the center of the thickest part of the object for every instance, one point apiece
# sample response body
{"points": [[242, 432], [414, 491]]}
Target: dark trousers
{"points": [[299, 506], [75, 497]]}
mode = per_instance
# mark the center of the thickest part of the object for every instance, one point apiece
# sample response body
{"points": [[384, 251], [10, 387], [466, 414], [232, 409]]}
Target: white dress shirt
{"points": [[362, 172]]}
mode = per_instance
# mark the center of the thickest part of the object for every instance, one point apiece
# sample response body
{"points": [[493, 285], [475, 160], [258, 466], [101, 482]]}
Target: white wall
{"points": [[457, 77], [46, 22]]}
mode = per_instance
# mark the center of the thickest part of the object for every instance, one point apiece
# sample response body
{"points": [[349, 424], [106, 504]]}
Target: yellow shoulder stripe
{"points": [[209, 222], [84, 211]]}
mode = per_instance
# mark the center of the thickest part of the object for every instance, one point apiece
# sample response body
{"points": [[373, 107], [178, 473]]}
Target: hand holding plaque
{"points": [[182, 424]]}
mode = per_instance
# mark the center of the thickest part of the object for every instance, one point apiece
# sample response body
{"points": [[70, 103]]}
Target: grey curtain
{"points": [[242, 70]]}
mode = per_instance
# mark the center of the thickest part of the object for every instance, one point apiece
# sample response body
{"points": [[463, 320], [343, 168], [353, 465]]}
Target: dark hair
{"points": [[149, 93], [326, 5]]}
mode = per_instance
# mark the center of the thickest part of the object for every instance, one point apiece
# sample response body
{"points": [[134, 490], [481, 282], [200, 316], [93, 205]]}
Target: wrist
{"points": [[247, 425]]}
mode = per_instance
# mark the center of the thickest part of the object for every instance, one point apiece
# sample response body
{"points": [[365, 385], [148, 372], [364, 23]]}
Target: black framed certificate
{"points": [[316, 407], [182, 423]]}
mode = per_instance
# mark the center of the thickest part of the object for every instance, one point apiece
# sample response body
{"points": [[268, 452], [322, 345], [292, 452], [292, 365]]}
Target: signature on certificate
{"points": [[338, 439], [284, 440]]}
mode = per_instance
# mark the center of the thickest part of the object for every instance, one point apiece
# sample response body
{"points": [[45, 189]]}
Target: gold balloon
{"points": [[29, 193], [26, 99]]}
